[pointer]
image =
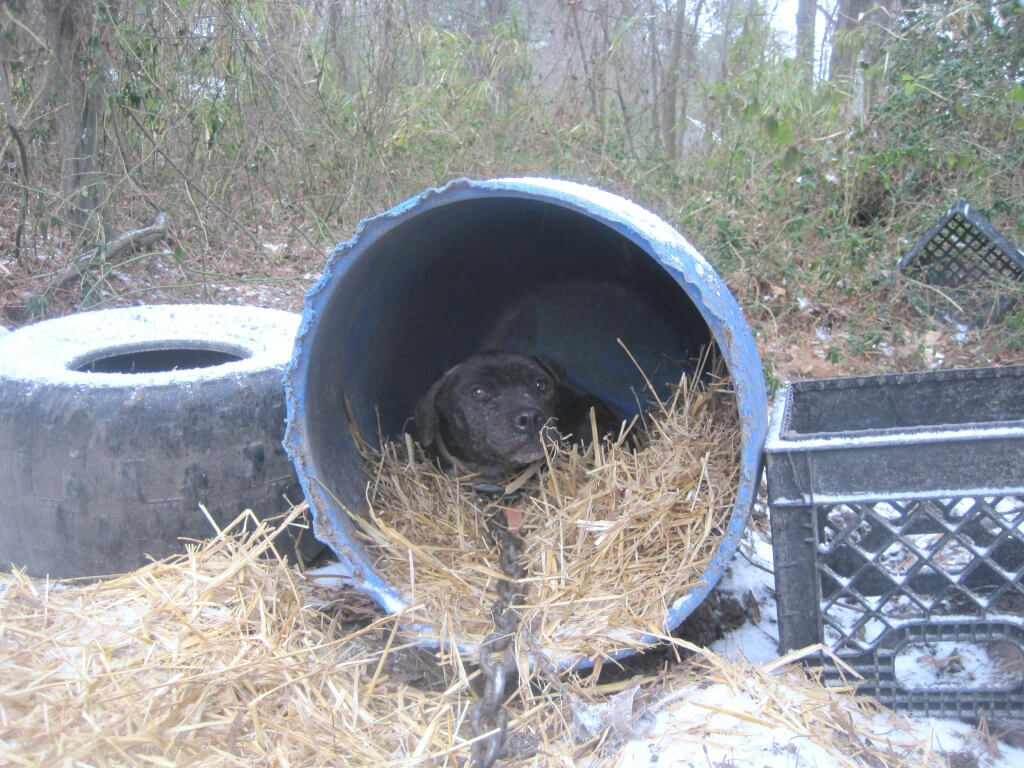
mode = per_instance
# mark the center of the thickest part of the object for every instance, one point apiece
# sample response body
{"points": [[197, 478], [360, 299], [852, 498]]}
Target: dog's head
{"points": [[489, 412]]}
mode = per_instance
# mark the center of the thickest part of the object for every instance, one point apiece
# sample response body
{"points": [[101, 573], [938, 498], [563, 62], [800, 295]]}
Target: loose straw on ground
{"points": [[221, 657], [213, 658], [736, 712]]}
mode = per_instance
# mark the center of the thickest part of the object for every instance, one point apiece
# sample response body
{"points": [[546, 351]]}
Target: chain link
{"points": [[497, 651]]}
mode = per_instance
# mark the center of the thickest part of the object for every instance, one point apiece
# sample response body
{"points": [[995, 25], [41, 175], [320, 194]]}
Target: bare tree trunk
{"points": [[79, 85], [495, 10], [880, 21], [677, 76], [588, 74], [12, 126], [655, 62], [846, 42], [806, 13], [668, 102], [861, 28], [337, 45]]}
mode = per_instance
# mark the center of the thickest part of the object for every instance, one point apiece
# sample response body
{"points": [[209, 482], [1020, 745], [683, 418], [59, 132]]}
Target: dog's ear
{"points": [[554, 369], [425, 415]]}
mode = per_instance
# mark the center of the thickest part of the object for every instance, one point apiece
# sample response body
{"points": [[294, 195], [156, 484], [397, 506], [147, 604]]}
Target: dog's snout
{"points": [[529, 420]]}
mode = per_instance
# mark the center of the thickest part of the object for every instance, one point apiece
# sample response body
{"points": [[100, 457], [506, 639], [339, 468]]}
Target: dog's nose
{"points": [[529, 420]]}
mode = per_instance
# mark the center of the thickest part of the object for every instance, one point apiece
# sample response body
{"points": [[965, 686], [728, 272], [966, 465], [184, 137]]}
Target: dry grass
{"points": [[611, 535], [221, 657], [753, 712], [216, 657]]}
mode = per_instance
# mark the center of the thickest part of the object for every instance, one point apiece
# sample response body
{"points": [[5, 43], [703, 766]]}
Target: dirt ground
{"points": [[798, 336]]}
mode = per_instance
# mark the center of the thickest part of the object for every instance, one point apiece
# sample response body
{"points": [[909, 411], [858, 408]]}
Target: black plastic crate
{"points": [[973, 266], [897, 512]]}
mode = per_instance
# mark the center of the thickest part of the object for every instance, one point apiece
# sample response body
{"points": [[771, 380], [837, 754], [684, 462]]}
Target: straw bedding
{"points": [[611, 535], [228, 655], [221, 657]]}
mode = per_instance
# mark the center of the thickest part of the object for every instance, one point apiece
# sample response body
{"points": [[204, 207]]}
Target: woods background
{"points": [[802, 148]]}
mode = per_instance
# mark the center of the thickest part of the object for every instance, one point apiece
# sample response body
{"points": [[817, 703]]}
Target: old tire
{"points": [[115, 425]]}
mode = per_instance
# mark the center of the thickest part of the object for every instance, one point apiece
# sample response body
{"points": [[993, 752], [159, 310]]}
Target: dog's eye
{"points": [[478, 393], [542, 385]]}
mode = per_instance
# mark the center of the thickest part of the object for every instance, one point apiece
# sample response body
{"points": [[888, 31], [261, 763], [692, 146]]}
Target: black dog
{"points": [[490, 413]]}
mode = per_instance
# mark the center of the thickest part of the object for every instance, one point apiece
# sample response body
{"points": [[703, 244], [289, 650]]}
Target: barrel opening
{"points": [[520, 275]]}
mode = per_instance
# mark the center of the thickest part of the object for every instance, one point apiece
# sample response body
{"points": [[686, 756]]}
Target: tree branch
{"points": [[5, 93], [124, 243], [191, 183]]}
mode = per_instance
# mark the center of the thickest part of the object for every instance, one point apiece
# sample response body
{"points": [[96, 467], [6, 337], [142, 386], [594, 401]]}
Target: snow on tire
{"points": [[116, 424]]}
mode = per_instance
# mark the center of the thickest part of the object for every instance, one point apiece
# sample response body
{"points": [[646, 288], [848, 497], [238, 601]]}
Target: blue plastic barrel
{"points": [[528, 265]]}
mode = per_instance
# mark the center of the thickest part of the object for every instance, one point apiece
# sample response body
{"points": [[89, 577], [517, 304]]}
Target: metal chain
{"points": [[497, 651]]}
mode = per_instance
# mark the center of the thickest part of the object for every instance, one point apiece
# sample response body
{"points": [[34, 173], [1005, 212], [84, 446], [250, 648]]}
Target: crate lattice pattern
{"points": [[962, 249], [884, 563], [920, 571]]}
